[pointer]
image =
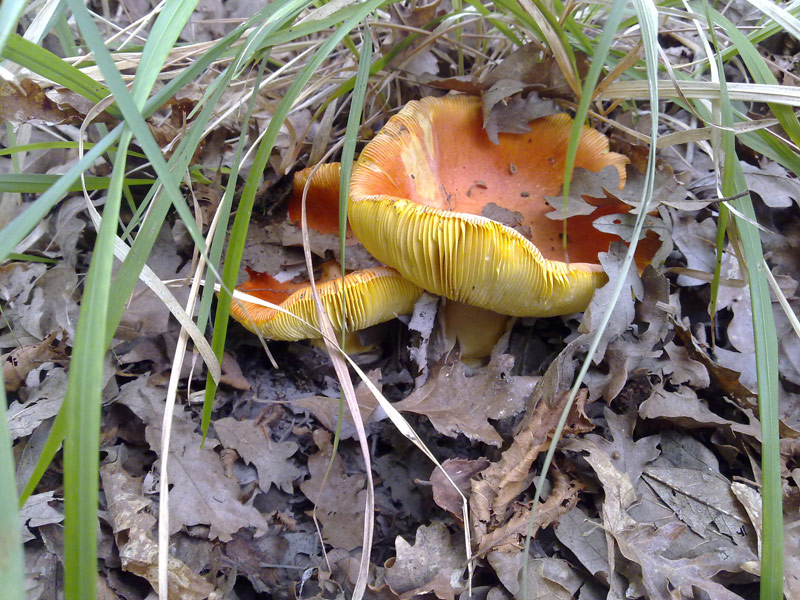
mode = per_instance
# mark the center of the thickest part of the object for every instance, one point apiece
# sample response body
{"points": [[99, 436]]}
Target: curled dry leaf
{"points": [[27, 102], [548, 578], [23, 359], [460, 471], [494, 489], [509, 536], [131, 517]]}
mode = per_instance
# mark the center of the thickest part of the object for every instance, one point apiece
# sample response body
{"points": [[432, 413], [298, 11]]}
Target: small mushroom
{"points": [[418, 194], [322, 208], [371, 296]]}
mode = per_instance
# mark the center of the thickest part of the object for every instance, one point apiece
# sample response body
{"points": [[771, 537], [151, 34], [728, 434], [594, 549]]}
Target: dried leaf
{"points": [[339, 498], [772, 182], [434, 563], [130, 514], [460, 471], [201, 492], [23, 359], [548, 578], [514, 114], [586, 541], [700, 498], [39, 510], [493, 394], [627, 456], [510, 534], [326, 410], [27, 102], [254, 445], [624, 309], [684, 408], [42, 404], [666, 579]]}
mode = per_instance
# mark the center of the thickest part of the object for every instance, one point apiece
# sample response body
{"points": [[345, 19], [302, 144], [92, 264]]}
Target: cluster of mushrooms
{"points": [[424, 198]]}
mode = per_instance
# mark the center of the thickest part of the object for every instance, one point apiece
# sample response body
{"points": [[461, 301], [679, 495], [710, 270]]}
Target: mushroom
{"points": [[322, 213], [371, 296], [423, 190]]}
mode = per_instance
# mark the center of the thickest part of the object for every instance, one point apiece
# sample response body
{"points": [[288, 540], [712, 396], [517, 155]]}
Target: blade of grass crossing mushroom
{"points": [[348, 394], [334, 350], [648, 23], [587, 93], [12, 569], [348, 152], [239, 230], [766, 344], [126, 277]]}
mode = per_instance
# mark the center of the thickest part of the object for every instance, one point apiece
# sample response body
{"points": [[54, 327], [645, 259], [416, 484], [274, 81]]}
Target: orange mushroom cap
{"points": [[372, 296], [420, 189], [322, 203]]}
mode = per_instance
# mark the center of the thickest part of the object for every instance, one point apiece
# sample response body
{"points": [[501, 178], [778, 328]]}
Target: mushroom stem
{"points": [[477, 330]]}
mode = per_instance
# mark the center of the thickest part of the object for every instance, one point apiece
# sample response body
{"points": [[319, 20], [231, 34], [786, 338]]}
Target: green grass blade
{"points": [[161, 40], [598, 60], [38, 183], [82, 405], [84, 391], [128, 273], [10, 12], [24, 223], [778, 14], [55, 146], [648, 21], [15, 231], [12, 570], [760, 72], [134, 118], [45, 63], [766, 344]]}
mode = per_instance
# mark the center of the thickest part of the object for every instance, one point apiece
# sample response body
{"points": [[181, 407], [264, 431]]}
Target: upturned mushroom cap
{"points": [[426, 190], [322, 202], [372, 296]]}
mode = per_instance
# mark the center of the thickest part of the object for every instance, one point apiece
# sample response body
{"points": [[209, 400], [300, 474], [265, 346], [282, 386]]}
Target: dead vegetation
{"points": [[655, 487]]}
